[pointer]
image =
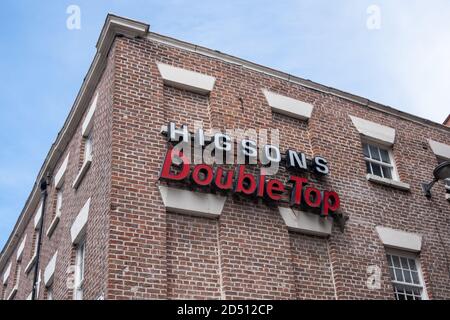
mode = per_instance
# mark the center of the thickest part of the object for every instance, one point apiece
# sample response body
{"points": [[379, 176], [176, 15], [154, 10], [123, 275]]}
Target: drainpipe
{"points": [[44, 184]]}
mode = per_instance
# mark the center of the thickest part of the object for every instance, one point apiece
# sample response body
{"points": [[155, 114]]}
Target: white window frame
{"points": [[59, 201], [80, 265], [87, 143], [394, 173], [38, 285], [416, 258], [50, 293], [36, 243]]}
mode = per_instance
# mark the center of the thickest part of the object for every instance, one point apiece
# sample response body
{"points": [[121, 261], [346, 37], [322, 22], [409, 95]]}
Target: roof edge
{"points": [[447, 121], [113, 26], [294, 79]]}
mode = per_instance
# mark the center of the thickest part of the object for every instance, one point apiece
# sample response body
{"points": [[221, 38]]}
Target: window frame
{"points": [[80, 256], [416, 258], [49, 293], [389, 149], [87, 141], [59, 201]]}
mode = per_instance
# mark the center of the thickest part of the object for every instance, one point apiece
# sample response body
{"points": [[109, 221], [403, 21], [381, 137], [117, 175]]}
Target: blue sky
{"points": [[405, 63]]}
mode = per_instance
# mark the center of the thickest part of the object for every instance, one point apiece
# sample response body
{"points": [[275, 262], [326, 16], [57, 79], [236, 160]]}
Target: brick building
{"points": [[107, 227]]}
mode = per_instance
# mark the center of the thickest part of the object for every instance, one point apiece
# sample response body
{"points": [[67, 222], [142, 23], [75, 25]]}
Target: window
{"points": [[79, 271], [447, 184], [49, 293], [38, 285], [87, 147], [59, 198], [36, 242], [378, 161], [406, 276]]}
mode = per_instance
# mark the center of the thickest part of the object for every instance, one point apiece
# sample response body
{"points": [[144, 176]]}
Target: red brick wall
{"points": [[259, 258], [193, 262]]}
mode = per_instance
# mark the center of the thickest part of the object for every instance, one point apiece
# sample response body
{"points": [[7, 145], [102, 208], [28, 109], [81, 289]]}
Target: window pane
{"points": [[412, 264], [399, 274], [404, 263], [409, 294], [376, 169], [366, 150], [401, 296], [407, 275], [385, 156], [396, 261], [387, 172], [415, 277], [374, 152]]}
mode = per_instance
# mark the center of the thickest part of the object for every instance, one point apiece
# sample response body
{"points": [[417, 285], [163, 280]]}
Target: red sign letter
{"points": [[165, 172], [247, 188], [327, 206], [296, 194]]}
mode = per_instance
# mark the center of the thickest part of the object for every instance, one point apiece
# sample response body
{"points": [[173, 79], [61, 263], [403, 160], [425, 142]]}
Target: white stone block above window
{"points": [[288, 106], [20, 248], [78, 228], [441, 150], [192, 203], [89, 119], [7, 273], [186, 79], [374, 131], [83, 170], [50, 270], [59, 176], [38, 216], [399, 239], [306, 222]]}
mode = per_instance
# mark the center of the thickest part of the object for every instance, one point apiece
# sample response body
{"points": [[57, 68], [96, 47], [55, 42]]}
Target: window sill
{"points": [[84, 168], [13, 293], [53, 225], [447, 196], [388, 182], [31, 264]]}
